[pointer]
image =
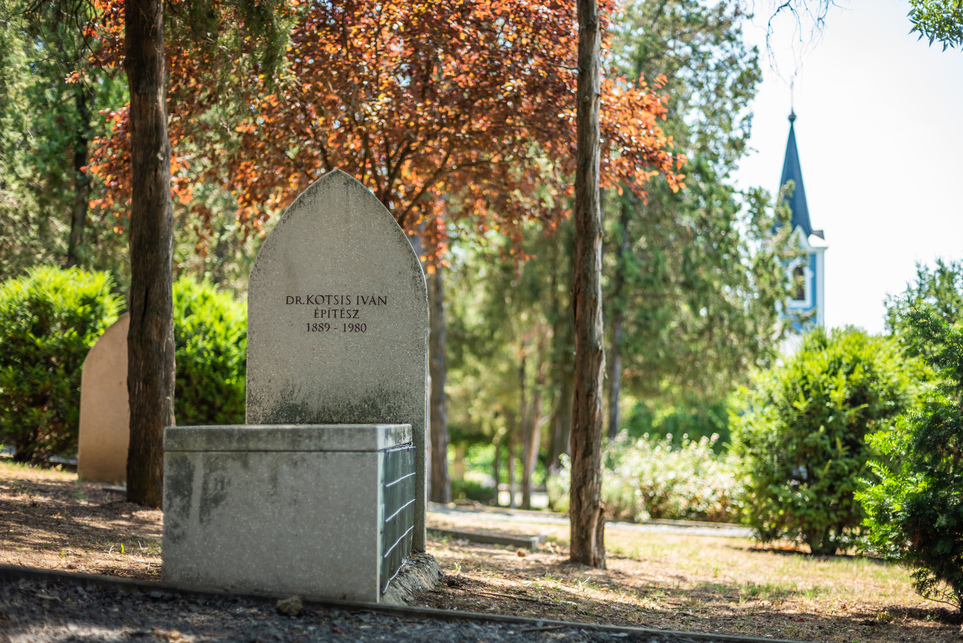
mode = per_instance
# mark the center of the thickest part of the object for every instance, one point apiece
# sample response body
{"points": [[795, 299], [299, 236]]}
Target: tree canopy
{"points": [[695, 275], [444, 110], [937, 291], [49, 99], [938, 20]]}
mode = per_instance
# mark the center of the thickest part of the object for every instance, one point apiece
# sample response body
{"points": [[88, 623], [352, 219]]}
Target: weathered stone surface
{"points": [[303, 520], [419, 574], [104, 412], [338, 321], [287, 437]]}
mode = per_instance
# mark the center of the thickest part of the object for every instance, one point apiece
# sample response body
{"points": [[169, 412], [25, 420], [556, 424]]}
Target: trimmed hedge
{"points": [[210, 340], [49, 319]]}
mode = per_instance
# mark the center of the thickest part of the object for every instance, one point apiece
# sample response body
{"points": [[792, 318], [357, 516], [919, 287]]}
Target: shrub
{"points": [[482, 491], [696, 418], [655, 478], [210, 339], [49, 319], [915, 512], [801, 441]]}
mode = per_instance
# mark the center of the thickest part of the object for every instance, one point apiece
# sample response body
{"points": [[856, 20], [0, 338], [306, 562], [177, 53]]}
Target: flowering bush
{"points": [[652, 478]]}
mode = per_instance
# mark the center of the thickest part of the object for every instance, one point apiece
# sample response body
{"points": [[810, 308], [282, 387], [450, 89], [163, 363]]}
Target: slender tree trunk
{"points": [[526, 428], [618, 318], [510, 462], [81, 179], [587, 521], [562, 422], [525, 413], [563, 351], [440, 479], [495, 470], [533, 426], [533, 437], [150, 340]]}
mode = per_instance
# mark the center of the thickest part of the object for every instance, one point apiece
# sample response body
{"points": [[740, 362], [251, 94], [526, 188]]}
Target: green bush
{"points": [[210, 340], [696, 418], [659, 478], [915, 512], [476, 490], [801, 441], [49, 319]]}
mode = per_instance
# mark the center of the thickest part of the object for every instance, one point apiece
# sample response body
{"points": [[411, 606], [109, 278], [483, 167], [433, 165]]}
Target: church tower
{"points": [[807, 305]]}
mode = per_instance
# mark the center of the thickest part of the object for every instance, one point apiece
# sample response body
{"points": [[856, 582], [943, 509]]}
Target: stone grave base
{"points": [[320, 511]]}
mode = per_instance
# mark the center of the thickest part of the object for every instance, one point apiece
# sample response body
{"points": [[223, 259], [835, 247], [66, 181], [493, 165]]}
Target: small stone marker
{"points": [[323, 492], [337, 328], [104, 412]]}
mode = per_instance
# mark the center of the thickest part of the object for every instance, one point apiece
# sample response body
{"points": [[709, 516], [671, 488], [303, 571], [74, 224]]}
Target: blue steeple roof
{"points": [[791, 171]]}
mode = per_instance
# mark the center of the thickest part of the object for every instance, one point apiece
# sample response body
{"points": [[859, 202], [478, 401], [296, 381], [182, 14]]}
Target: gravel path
{"points": [[50, 606], [545, 518]]}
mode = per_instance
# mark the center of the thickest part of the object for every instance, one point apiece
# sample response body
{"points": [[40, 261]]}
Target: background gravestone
{"points": [[104, 412], [338, 321]]}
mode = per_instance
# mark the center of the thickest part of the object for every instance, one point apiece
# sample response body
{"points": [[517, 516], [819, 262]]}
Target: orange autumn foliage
{"points": [[456, 109]]}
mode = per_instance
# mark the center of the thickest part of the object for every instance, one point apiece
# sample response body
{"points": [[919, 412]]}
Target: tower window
{"points": [[799, 283]]}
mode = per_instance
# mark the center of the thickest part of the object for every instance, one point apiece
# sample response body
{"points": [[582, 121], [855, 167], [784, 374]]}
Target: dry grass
{"points": [[50, 520], [678, 582], [693, 583]]}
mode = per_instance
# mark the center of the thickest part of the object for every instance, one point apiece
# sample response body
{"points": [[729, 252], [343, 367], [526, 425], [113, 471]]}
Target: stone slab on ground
{"points": [[419, 573], [527, 542]]}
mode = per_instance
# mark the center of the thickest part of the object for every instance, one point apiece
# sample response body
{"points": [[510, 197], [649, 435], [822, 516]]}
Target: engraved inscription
{"points": [[327, 308]]}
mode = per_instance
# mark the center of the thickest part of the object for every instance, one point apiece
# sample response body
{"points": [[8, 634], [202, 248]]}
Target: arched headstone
{"points": [[338, 321], [104, 412]]}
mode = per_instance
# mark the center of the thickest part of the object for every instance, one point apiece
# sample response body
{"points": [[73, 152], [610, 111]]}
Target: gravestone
{"points": [[323, 491], [104, 412], [338, 321]]}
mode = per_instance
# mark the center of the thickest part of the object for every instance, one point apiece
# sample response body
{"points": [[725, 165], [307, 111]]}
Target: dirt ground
{"points": [[678, 582]]}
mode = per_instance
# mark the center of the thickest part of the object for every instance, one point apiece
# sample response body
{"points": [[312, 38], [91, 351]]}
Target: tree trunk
{"points": [[587, 522], [526, 428], [81, 179], [440, 479], [532, 429], [524, 413], [562, 349], [533, 437], [562, 422], [496, 473], [618, 318], [150, 340], [510, 460]]}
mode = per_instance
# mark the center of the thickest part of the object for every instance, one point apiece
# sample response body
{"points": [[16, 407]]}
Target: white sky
{"points": [[880, 134]]}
